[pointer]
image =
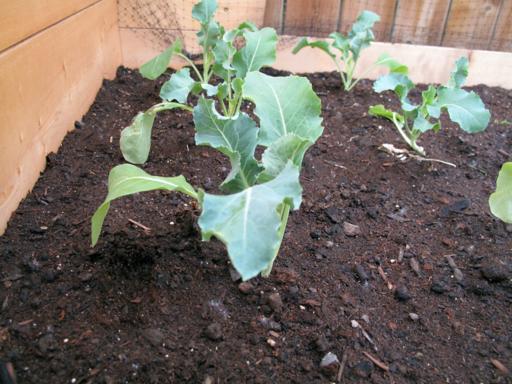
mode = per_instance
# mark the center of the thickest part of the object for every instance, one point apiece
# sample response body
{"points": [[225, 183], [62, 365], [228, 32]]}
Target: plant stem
{"points": [[191, 63], [165, 106], [285, 212], [411, 142], [223, 106]]}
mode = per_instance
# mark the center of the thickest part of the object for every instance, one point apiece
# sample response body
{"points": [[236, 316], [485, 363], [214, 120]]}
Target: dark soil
{"points": [[160, 306]]}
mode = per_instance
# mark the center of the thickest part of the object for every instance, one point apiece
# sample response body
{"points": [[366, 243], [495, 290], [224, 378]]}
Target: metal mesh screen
{"points": [[473, 24]]}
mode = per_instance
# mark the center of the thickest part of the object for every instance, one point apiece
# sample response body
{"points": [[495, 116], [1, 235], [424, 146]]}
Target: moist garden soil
{"points": [[419, 292]]}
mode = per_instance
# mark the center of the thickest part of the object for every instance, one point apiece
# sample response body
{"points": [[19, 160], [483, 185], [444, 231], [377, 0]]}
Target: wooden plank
{"points": [[274, 14], [139, 46], [311, 17], [502, 37], [20, 19], [427, 64], [420, 22], [384, 8], [41, 101], [471, 23], [162, 21]]}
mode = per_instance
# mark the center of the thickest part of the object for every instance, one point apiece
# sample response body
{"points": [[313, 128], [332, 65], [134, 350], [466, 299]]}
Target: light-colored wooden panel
{"points": [[46, 83], [420, 22], [502, 39], [471, 23], [311, 17], [427, 64], [384, 8], [274, 14], [162, 21], [139, 46], [20, 19]]}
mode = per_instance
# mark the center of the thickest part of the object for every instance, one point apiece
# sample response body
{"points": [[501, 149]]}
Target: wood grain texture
{"points": [[274, 14], [502, 38], [384, 8], [311, 17], [471, 23], [420, 22], [20, 19], [47, 82]]}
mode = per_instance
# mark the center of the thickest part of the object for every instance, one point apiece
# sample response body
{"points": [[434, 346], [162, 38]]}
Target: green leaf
{"points": [[248, 221], [284, 105], [209, 34], [223, 54], [459, 74], [157, 65], [235, 137], [422, 124], [465, 108], [500, 201], [364, 22], [259, 51], [178, 86], [135, 141], [381, 111], [127, 179], [237, 85], [397, 82], [361, 34], [232, 34], [393, 65], [211, 90], [340, 42], [288, 148], [323, 45], [400, 84], [204, 10]]}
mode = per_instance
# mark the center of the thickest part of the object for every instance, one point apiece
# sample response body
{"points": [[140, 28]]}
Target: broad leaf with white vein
{"points": [[233, 136], [284, 105], [248, 221], [259, 51], [127, 179]]}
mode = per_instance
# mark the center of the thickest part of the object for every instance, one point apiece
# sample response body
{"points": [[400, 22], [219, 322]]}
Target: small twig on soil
{"points": [[504, 153], [136, 223], [404, 154], [342, 366], [335, 164], [500, 366], [385, 278], [355, 324], [376, 361]]}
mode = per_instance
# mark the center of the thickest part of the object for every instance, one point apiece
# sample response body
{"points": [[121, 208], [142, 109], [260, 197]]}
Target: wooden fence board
{"points": [[274, 13], [20, 19], [502, 39], [47, 82], [420, 22], [311, 17], [471, 23], [384, 8]]}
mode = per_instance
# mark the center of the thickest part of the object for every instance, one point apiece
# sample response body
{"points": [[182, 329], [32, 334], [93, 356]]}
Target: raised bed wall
{"points": [[54, 56]]}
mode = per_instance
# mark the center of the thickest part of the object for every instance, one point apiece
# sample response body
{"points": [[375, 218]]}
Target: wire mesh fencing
{"points": [[472, 24]]}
